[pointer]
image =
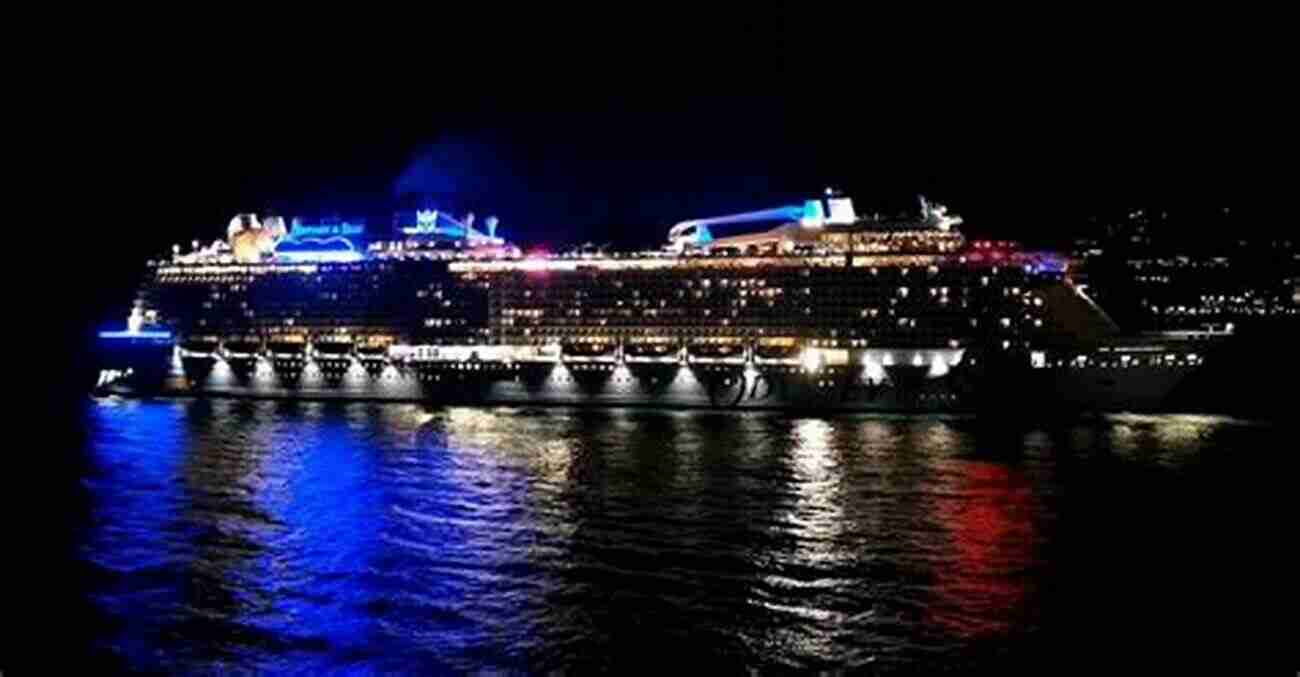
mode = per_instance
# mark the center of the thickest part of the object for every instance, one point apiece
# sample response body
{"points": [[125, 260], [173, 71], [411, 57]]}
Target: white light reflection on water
{"points": [[811, 520]]}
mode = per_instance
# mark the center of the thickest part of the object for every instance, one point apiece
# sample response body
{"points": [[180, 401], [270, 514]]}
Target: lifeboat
{"points": [[327, 349], [650, 351], [777, 349], [333, 356], [371, 351], [546, 355], [288, 358], [654, 377], [242, 354], [198, 356], [289, 348], [236, 347], [590, 351], [197, 367], [724, 352], [200, 346], [373, 357]]}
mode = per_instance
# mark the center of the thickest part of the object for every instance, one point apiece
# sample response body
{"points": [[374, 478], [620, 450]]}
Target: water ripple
{"points": [[255, 536]]}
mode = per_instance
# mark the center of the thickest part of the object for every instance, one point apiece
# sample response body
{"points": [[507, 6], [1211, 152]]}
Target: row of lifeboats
{"points": [[256, 347], [632, 350], [778, 352]]}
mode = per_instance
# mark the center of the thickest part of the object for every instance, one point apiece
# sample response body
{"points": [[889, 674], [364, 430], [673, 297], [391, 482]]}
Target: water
{"points": [[308, 537]]}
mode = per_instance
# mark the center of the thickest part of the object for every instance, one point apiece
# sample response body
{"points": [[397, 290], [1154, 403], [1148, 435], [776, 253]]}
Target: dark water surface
{"points": [[272, 536]]}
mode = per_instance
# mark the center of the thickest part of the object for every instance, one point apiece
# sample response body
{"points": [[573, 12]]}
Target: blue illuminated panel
{"points": [[328, 241], [320, 256], [135, 334]]}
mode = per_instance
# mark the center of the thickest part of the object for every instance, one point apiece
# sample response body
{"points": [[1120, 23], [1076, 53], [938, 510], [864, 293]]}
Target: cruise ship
{"points": [[801, 306]]}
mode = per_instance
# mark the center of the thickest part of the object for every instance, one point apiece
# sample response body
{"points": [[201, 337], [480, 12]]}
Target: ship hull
{"points": [[727, 387]]}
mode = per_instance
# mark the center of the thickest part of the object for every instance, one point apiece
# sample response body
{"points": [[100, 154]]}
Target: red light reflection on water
{"points": [[980, 584]]}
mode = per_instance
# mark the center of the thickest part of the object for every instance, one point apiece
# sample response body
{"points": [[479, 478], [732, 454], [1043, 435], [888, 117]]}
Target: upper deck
{"points": [[820, 233]]}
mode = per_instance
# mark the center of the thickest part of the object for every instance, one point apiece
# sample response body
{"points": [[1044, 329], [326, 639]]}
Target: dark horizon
{"points": [[569, 176]]}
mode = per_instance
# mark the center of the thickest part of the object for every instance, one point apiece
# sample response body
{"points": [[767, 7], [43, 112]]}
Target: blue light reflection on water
{"points": [[301, 532], [278, 536], [133, 535]]}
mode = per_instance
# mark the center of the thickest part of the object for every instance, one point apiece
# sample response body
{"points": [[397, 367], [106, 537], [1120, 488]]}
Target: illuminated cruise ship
{"points": [[808, 305]]}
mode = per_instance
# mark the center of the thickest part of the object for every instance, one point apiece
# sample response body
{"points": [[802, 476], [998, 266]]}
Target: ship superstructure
{"points": [[825, 307]]}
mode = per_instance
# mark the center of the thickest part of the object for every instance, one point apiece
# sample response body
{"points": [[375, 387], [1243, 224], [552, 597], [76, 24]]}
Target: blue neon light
{"points": [[320, 256], [324, 242], [811, 210], [151, 334], [317, 249], [1052, 264], [427, 223], [301, 230]]}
